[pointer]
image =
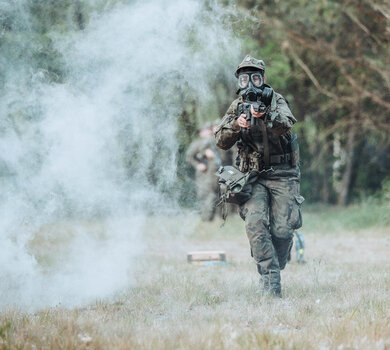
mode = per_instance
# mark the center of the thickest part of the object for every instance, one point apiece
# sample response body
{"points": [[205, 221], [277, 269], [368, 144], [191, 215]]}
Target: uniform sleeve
{"points": [[279, 119], [225, 135]]}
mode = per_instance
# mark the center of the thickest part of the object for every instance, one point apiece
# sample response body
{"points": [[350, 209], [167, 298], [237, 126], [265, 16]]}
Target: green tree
{"points": [[339, 83]]}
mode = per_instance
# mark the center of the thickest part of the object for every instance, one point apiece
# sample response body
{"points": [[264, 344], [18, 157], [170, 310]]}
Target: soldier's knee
{"points": [[262, 248], [257, 230], [282, 231], [255, 222]]}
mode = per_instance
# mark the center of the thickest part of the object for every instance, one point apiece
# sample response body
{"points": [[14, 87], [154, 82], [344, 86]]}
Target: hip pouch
{"points": [[234, 186]]}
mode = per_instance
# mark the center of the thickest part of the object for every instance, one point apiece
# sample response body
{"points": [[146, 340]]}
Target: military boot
{"points": [[270, 284]]}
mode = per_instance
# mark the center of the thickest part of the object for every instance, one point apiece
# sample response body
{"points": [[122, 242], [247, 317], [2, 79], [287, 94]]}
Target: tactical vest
{"points": [[254, 149]]}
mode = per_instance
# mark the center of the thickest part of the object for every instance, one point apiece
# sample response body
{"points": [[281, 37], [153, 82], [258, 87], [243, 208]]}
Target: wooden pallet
{"points": [[206, 256]]}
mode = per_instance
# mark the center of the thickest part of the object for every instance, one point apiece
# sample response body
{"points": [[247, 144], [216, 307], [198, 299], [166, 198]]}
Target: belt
{"points": [[255, 161], [280, 159]]}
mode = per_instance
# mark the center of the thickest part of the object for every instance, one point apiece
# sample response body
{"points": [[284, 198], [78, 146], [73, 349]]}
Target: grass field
{"points": [[338, 300]]}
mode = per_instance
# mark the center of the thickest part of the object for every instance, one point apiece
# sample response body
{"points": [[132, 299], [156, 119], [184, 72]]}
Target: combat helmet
{"points": [[250, 62]]}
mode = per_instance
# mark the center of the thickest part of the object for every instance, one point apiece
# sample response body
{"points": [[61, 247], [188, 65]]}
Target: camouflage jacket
{"points": [[278, 120]]}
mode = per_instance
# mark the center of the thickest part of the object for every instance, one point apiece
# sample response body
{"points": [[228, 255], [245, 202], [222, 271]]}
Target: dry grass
{"points": [[338, 300]]}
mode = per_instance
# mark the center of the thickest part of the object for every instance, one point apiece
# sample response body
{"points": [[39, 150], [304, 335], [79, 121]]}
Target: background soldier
{"points": [[206, 158], [299, 248], [269, 148]]}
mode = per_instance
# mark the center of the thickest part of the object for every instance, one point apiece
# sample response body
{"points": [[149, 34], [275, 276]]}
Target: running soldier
{"points": [[259, 121]]}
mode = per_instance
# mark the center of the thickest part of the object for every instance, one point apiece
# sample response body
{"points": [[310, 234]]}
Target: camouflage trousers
{"points": [[271, 216]]}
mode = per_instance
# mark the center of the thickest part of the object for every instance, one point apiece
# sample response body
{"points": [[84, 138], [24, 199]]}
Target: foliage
{"points": [[337, 81], [330, 59]]}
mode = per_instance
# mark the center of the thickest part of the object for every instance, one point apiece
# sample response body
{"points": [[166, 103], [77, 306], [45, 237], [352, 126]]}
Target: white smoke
{"points": [[83, 170]]}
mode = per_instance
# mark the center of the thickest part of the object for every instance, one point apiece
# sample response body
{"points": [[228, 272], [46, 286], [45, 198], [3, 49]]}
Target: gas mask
{"points": [[252, 88]]}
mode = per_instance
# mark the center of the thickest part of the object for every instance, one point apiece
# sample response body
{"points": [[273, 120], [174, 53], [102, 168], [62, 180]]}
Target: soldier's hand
{"points": [[201, 167], [242, 122], [256, 114]]}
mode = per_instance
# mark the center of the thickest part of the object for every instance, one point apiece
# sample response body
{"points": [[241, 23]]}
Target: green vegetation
{"points": [[329, 58], [354, 218], [370, 214]]}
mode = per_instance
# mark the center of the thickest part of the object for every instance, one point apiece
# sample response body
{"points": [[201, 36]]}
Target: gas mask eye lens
{"points": [[243, 80], [257, 80]]}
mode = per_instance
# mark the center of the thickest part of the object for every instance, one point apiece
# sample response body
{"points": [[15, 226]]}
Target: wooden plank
{"points": [[206, 255]]}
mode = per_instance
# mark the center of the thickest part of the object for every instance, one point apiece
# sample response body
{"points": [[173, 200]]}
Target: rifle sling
{"points": [[265, 143]]}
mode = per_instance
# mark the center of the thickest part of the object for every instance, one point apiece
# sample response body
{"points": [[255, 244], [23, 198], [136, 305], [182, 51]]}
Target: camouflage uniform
{"points": [[206, 182], [274, 210]]}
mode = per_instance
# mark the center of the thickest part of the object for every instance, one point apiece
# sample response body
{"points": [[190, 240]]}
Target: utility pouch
{"points": [[294, 150], [244, 160], [234, 186]]}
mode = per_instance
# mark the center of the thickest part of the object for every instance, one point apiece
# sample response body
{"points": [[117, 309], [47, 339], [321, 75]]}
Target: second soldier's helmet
{"points": [[250, 62]]}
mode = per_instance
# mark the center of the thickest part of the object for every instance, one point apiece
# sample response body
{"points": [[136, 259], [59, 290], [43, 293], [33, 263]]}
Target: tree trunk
{"points": [[325, 186], [345, 185], [327, 172]]}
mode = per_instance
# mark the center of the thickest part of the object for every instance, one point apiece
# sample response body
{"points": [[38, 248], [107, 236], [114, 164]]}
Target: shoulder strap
{"points": [[265, 142]]}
